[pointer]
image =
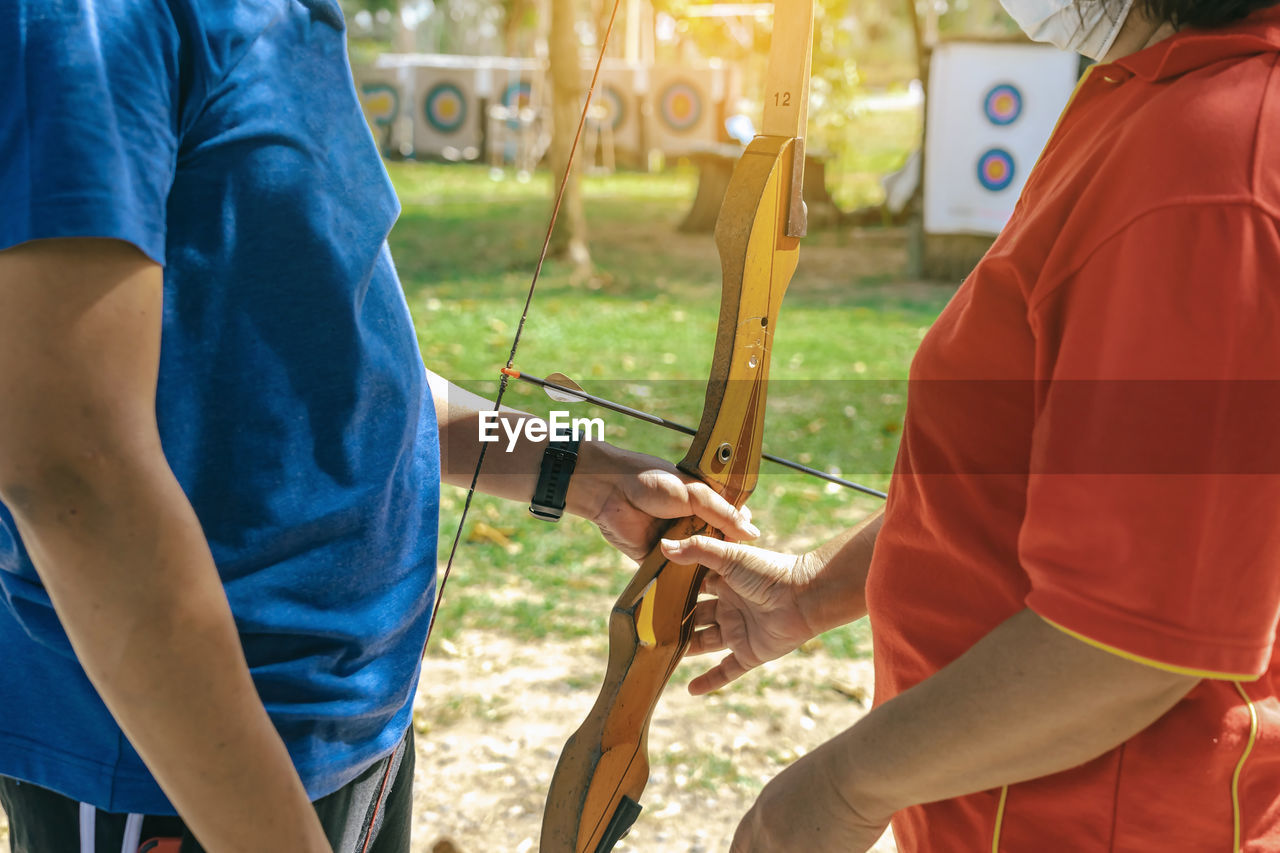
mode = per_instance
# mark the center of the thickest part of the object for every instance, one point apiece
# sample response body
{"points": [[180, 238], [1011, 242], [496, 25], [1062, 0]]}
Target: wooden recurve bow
{"points": [[595, 792]]}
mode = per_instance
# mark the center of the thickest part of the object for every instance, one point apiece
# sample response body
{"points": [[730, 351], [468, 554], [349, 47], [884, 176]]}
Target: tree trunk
{"points": [[513, 26], [569, 240], [403, 39]]}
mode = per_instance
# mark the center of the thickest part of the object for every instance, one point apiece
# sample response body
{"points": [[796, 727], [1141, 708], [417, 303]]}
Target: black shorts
{"points": [[371, 814]]}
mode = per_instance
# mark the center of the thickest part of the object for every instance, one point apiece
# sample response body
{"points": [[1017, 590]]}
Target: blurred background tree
{"points": [[864, 50], [861, 46]]}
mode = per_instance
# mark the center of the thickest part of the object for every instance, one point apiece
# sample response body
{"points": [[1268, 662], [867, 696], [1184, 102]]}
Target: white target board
{"points": [[617, 104], [447, 121], [991, 109], [684, 109]]}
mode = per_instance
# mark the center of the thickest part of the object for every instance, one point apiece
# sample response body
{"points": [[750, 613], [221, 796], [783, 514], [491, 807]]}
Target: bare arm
{"points": [[119, 548], [506, 474], [627, 495], [837, 594], [1026, 701]]}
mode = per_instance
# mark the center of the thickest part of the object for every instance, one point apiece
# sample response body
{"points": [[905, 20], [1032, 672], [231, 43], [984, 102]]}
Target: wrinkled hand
{"points": [[756, 611], [632, 497], [808, 807]]}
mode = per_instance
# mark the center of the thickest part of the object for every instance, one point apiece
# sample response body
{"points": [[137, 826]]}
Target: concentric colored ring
{"points": [[517, 96], [445, 107], [1003, 105], [680, 106], [381, 103], [615, 107], [996, 170]]}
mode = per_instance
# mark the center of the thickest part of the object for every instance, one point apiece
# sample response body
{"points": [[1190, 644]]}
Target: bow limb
{"points": [[595, 792]]}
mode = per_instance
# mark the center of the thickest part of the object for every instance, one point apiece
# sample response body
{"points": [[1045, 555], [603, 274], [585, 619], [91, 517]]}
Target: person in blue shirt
{"points": [[219, 447]]}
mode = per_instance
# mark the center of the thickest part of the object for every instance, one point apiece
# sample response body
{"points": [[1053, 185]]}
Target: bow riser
{"points": [[605, 763], [757, 260], [603, 770]]}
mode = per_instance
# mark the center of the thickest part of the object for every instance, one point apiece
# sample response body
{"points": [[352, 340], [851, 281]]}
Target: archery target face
{"points": [[991, 109], [683, 108], [996, 170], [381, 103], [614, 107], [680, 106], [445, 107], [517, 95], [1003, 105], [444, 114]]}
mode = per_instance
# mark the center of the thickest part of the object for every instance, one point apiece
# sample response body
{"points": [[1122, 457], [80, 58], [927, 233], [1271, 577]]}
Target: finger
{"points": [[728, 670], [707, 551], [712, 584], [704, 613], [708, 505], [706, 641]]}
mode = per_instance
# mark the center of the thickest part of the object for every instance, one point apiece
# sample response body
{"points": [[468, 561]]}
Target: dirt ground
{"points": [[482, 774], [487, 748]]}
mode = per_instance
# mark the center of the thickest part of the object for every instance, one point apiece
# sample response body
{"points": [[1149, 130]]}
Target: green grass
{"points": [[641, 333], [702, 770]]}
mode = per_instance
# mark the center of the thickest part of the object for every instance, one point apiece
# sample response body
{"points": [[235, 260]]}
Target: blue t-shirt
{"points": [[225, 140]]}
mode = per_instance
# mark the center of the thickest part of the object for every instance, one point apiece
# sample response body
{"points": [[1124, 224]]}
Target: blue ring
{"points": [[511, 98], [694, 95], [371, 88], [996, 155], [439, 91], [619, 106], [989, 106]]}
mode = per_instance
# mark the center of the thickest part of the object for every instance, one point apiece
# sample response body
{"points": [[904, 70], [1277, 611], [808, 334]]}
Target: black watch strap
{"points": [[558, 462]]}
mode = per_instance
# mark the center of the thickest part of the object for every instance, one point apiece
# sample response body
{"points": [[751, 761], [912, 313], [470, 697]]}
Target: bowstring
{"points": [[524, 316]]}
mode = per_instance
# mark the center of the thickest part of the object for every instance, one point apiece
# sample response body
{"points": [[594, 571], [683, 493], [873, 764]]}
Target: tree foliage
{"points": [[860, 46]]}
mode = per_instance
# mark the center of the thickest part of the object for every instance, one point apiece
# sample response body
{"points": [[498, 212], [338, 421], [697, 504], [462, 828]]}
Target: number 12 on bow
{"points": [[595, 792]]}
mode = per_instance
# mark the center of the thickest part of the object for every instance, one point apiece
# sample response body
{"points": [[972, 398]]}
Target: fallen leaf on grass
{"points": [[856, 692], [484, 532]]}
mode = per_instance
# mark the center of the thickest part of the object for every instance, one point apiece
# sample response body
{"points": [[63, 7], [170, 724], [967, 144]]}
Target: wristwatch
{"points": [[558, 462]]}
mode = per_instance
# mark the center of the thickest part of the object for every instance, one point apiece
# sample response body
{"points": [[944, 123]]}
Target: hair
{"points": [[1202, 13]]}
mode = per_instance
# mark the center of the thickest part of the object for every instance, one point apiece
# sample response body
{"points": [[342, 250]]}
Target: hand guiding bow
{"points": [[594, 795]]}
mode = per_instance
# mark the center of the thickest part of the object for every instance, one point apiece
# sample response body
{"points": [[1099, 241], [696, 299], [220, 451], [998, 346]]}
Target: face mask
{"points": [[1089, 27]]}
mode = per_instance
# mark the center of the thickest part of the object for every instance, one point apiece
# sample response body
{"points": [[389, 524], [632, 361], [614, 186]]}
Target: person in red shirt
{"points": [[1074, 588]]}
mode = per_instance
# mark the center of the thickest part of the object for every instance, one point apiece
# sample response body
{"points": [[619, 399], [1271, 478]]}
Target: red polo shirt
{"points": [[1093, 432]]}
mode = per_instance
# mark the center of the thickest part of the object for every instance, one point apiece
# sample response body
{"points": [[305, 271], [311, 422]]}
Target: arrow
{"points": [[562, 389]]}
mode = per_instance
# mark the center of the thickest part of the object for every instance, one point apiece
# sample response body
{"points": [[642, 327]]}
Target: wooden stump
{"points": [[715, 166]]}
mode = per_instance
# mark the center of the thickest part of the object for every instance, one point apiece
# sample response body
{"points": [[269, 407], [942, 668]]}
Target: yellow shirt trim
{"points": [[1235, 777], [995, 838], [1167, 667]]}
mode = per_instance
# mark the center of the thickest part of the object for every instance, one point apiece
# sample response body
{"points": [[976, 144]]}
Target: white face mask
{"points": [[1089, 27]]}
